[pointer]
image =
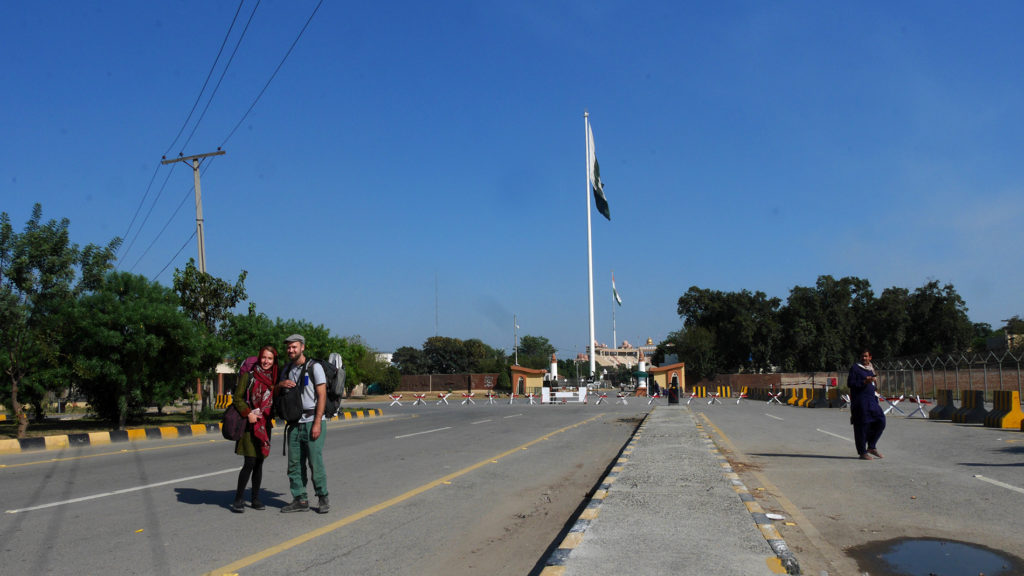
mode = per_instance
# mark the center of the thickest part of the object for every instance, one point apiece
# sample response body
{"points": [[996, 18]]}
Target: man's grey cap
{"points": [[295, 338]]}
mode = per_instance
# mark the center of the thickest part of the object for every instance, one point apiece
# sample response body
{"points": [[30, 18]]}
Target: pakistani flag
{"points": [[615, 292], [594, 173]]}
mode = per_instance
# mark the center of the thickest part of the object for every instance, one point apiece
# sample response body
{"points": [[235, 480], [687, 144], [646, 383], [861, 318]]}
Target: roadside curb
{"points": [[556, 562], [771, 534], [59, 442]]}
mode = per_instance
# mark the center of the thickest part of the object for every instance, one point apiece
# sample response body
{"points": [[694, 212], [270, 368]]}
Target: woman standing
{"points": [[866, 415], [253, 399]]}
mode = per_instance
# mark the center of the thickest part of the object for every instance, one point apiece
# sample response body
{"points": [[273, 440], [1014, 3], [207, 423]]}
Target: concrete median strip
{"points": [[663, 508]]}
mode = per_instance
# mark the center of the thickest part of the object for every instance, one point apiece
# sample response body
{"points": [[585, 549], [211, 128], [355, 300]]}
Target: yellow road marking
{"points": [[313, 534]]}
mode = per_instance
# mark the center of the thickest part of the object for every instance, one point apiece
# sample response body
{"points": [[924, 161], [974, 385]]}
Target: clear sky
{"points": [[418, 168]]}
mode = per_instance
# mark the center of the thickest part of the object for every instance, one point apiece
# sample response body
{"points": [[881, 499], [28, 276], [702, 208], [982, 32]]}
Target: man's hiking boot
{"points": [[324, 505], [296, 506]]}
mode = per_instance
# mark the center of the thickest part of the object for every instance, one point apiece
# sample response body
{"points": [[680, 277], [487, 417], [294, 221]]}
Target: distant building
{"points": [[625, 355]]}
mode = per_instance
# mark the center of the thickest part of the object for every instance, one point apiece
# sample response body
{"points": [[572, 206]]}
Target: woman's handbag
{"points": [[232, 424]]}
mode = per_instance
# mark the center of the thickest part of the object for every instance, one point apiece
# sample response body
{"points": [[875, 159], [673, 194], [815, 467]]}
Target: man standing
{"points": [[866, 415], [305, 439]]}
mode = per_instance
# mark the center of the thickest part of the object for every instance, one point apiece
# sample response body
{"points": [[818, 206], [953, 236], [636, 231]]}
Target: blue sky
{"points": [[419, 168]]}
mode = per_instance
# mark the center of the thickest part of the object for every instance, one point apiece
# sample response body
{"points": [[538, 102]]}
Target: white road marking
{"points": [[121, 491], [773, 416], [513, 416], [481, 421], [1000, 484], [834, 434], [424, 432]]}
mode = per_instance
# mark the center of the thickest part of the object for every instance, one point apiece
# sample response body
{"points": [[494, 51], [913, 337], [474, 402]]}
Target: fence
{"points": [[985, 371]]}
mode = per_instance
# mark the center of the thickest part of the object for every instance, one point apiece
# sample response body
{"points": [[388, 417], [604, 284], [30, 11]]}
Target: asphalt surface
{"points": [[671, 504]]}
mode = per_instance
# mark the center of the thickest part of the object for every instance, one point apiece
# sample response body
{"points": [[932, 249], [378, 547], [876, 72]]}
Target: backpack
{"points": [[334, 372], [232, 424]]}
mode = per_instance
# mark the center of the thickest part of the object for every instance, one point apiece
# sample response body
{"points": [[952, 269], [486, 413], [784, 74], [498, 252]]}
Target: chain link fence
{"points": [[922, 376]]}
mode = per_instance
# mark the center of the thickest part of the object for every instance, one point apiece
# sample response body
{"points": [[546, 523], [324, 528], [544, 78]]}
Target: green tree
{"points": [[744, 325], [445, 355], [409, 360], [245, 334], [41, 273], [208, 301], [132, 347], [938, 321], [889, 323], [823, 326], [535, 352]]}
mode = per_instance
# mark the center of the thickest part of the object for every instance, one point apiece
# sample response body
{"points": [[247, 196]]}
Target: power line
{"points": [[175, 255], [207, 81], [223, 73], [148, 213], [276, 70], [199, 96]]}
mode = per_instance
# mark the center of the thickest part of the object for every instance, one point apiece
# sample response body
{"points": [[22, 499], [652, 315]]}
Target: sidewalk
{"points": [[671, 505]]}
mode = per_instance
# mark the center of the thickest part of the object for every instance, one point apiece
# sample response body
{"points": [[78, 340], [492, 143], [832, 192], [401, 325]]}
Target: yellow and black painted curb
{"points": [[556, 561], [786, 559], [16, 445]]}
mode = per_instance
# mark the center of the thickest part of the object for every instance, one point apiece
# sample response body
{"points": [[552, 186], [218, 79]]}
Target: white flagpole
{"points": [[590, 253], [615, 340]]}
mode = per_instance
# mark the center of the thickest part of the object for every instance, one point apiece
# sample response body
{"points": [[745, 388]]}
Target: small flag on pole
{"points": [[594, 173], [615, 292]]}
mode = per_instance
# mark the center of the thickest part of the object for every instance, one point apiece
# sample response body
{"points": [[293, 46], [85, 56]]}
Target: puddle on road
{"points": [[933, 557]]}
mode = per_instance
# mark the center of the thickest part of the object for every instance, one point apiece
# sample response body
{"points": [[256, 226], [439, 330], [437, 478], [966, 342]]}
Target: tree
{"points": [[208, 301], [409, 360], [132, 347], [245, 334], [938, 321], [826, 324], [743, 325], [445, 355], [535, 351], [38, 271]]}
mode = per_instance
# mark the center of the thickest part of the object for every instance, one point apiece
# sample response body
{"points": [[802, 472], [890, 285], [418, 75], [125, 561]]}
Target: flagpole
{"points": [[615, 341], [590, 253]]}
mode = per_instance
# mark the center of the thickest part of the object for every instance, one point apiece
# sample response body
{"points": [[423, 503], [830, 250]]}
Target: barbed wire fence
{"points": [[924, 375]]}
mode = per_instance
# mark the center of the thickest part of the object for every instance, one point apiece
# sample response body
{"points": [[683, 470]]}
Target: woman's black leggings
{"points": [[253, 466]]}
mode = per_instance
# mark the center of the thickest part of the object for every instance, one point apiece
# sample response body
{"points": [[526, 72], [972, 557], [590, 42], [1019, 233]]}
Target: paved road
{"points": [[938, 480], [422, 490]]}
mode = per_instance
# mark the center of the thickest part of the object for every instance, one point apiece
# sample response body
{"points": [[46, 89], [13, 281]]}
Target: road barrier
{"points": [[442, 398], [420, 399], [920, 406], [395, 399], [223, 401], [944, 407], [467, 398], [1006, 412], [972, 408]]}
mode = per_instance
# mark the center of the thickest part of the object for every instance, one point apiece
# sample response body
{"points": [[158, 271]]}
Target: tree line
{"points": [[819, 328], [72, 325]]}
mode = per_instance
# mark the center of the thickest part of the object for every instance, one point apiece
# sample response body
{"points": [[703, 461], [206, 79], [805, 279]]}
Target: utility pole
{"points": [[194, 160]]}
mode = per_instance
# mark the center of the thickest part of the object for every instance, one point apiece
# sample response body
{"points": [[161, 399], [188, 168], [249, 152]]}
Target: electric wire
{"points": [[184, 198], [223, 73], [194, 232], [181, 130], [148, 213], [207, 81], [272, 76], [247, 112]]}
